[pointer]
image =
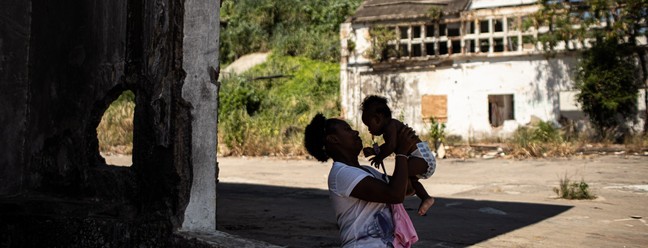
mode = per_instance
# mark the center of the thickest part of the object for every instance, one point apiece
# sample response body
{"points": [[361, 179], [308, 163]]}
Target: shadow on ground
{"points": [[298, 217]]}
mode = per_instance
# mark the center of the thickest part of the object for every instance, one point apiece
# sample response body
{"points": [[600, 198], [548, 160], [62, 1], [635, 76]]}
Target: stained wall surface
{"points": [[61, 65]]}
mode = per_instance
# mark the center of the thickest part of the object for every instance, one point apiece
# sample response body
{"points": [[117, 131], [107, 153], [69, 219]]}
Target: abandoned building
{"points": [[468, 63], [62, 64]]}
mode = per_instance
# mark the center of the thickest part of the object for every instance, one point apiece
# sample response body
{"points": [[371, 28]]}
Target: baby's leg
{"points": [[417, 166], [426, 200]]}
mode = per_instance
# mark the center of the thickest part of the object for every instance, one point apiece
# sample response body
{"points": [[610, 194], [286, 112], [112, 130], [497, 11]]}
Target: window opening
{"points": [[499, 27], [453, 29], [442, 30], [443, 48], [470, 46], [483, 26], [470, 28], [456, 47], [429, 31], [416, 32], [403, 32], [429, 49], [498, 45], [500, 109], [512, 44], [115, 131], [484, 45], [416, 50], [404, 51]]}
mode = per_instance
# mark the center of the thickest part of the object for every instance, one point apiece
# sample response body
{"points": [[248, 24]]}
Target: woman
{"points": [[360, 196]]}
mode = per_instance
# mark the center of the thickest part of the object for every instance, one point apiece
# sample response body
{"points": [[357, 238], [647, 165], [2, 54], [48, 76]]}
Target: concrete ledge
{"points": [[224, 240]]}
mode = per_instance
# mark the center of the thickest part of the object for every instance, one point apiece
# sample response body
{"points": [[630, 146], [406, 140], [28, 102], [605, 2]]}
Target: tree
{"points": [[600, 26], [608, 86]]}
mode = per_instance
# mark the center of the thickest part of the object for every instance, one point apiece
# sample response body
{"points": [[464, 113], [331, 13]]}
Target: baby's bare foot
{"points": [[425, 205]]}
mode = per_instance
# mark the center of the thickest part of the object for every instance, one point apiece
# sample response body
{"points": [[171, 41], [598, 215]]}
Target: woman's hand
{"points": [[406, 139]]}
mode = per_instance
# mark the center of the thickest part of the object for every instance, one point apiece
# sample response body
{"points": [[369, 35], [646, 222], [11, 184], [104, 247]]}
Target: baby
{"points": [[377, 116]]}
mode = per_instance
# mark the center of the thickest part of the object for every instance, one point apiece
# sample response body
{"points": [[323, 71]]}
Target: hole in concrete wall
{"points": [[115, 131], [500, 108]]}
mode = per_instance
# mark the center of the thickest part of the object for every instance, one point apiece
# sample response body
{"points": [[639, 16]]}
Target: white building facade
{"points": [[475, 68]]}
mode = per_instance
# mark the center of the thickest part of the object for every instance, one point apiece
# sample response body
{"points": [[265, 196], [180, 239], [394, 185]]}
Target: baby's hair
{"points": [[315, 136], [378, 104]]}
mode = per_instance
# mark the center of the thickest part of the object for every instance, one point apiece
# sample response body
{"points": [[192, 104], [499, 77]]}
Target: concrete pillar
{"points": [[200, 48]]}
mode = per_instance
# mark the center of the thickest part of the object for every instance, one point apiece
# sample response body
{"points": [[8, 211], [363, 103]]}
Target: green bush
{"points": [[540, 140], [267, 116]]}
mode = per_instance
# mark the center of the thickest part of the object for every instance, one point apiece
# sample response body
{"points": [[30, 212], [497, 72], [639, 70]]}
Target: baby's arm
{"points": [[390, 136]]}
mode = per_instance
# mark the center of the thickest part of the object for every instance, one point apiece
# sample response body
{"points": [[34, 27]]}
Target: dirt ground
{"points": [[479, 203]]}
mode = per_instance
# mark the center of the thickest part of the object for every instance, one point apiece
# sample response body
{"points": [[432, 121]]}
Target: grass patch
{"points": [[571, 190], [115, 131]]}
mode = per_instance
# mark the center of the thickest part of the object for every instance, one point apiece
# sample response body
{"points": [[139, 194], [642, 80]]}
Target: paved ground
{"points": [[480, 203]]}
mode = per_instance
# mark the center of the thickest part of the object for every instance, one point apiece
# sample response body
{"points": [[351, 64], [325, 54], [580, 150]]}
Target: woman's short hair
{"points": [[315, 137]]}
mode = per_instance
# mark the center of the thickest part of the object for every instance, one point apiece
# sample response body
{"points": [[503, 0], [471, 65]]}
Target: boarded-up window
{"points": [[434, 106], [500, 108]]}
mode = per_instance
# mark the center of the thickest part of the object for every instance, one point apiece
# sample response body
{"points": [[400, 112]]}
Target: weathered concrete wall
{"points": [[534, 81], [14, 70], [200, 45], [62, 64]]}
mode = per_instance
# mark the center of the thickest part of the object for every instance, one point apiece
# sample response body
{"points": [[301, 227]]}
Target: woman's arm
{"points": [[375, 190]]}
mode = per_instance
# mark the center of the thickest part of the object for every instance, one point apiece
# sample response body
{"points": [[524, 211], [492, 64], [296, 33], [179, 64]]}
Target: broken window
{"points": [[498, 45], [435, 106], [416, 32], [442, 30], [429, 31], [403, 32], [500, 109], [499, 26], [483, 26], [453, 29], [443, 48], [470, 28], [456, 47], [416, 50], [404, 50], [429, 49], [512, 23], [484, 45], [470, 46], [512, 44]]}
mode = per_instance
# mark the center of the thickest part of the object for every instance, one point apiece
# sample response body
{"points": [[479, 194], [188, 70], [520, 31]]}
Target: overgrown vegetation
{"points": [[571, 190], [540, 140], [266, 115], [308, 28], [115, 131], [380, 49], [611, 72]]}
